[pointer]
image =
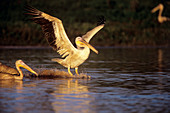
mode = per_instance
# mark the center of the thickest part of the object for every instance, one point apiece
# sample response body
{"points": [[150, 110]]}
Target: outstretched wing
{"points": [[54, 32], [92, 32]]}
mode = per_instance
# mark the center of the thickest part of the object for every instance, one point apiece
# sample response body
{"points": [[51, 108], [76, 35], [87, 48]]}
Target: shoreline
{"points": [[48, 47]]}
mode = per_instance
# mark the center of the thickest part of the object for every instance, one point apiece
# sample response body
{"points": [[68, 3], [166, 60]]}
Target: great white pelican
{"points": [[57, 38], [161, 18], [7, 72]]}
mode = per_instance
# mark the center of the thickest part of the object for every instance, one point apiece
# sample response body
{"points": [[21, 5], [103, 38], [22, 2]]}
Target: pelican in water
{"points": [[57, 38], [7, 72], [161, 18]]}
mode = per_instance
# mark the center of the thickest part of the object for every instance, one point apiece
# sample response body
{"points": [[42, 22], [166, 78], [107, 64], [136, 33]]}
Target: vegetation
{"points": [[128, 22]]}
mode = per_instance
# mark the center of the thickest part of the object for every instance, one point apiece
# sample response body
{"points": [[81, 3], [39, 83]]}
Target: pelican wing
{"points": [[54, 32], [92, 32], [155, 9], [8, 70]]}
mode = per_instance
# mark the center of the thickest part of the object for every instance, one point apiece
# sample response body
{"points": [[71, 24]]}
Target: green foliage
{"points": [[128, 22]]}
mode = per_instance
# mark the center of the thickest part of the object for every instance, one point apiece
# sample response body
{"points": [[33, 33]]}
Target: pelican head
{"points": [[159, 7], [80, 42], [20, 63]]}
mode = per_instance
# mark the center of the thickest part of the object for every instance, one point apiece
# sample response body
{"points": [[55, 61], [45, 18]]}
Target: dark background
{"points": [[128, 22]]}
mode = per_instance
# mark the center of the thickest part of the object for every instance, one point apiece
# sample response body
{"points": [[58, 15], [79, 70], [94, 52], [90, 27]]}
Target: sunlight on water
{"points": [[123, 80]]}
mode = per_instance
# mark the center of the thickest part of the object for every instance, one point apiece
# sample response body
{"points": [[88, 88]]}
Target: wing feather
{"points": [[92, 32], [54, 32]]}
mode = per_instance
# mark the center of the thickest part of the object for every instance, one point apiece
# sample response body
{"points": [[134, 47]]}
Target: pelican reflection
{"points": [[70, 95]]}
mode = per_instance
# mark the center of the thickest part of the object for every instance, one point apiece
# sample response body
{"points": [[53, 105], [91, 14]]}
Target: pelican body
{"points": [[57, 38], [161, 18], [7, 72]]}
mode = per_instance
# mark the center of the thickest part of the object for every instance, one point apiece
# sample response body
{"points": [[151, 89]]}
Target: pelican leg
{"points": [[69, 71], [76, 70]]}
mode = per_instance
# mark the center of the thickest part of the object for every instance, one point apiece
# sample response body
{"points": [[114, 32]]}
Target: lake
{"points": [[124, 80]]}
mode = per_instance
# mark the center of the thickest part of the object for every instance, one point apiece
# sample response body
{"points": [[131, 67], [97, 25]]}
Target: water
{"points": [[124, 80]]}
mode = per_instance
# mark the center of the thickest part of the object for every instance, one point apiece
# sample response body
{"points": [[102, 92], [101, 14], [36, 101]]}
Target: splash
{"points": [[56, 73]]}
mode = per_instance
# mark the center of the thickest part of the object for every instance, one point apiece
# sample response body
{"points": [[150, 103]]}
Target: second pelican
{"points": [[161, 18], [58, 40], [7, 72]]}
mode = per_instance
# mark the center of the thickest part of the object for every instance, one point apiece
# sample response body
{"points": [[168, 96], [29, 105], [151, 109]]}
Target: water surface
{"points": [[131, 80]]}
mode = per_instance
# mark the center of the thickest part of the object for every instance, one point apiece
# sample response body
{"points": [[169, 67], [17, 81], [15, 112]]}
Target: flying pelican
{"points": [[7, 72], [161, 18], [59, 41]]}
